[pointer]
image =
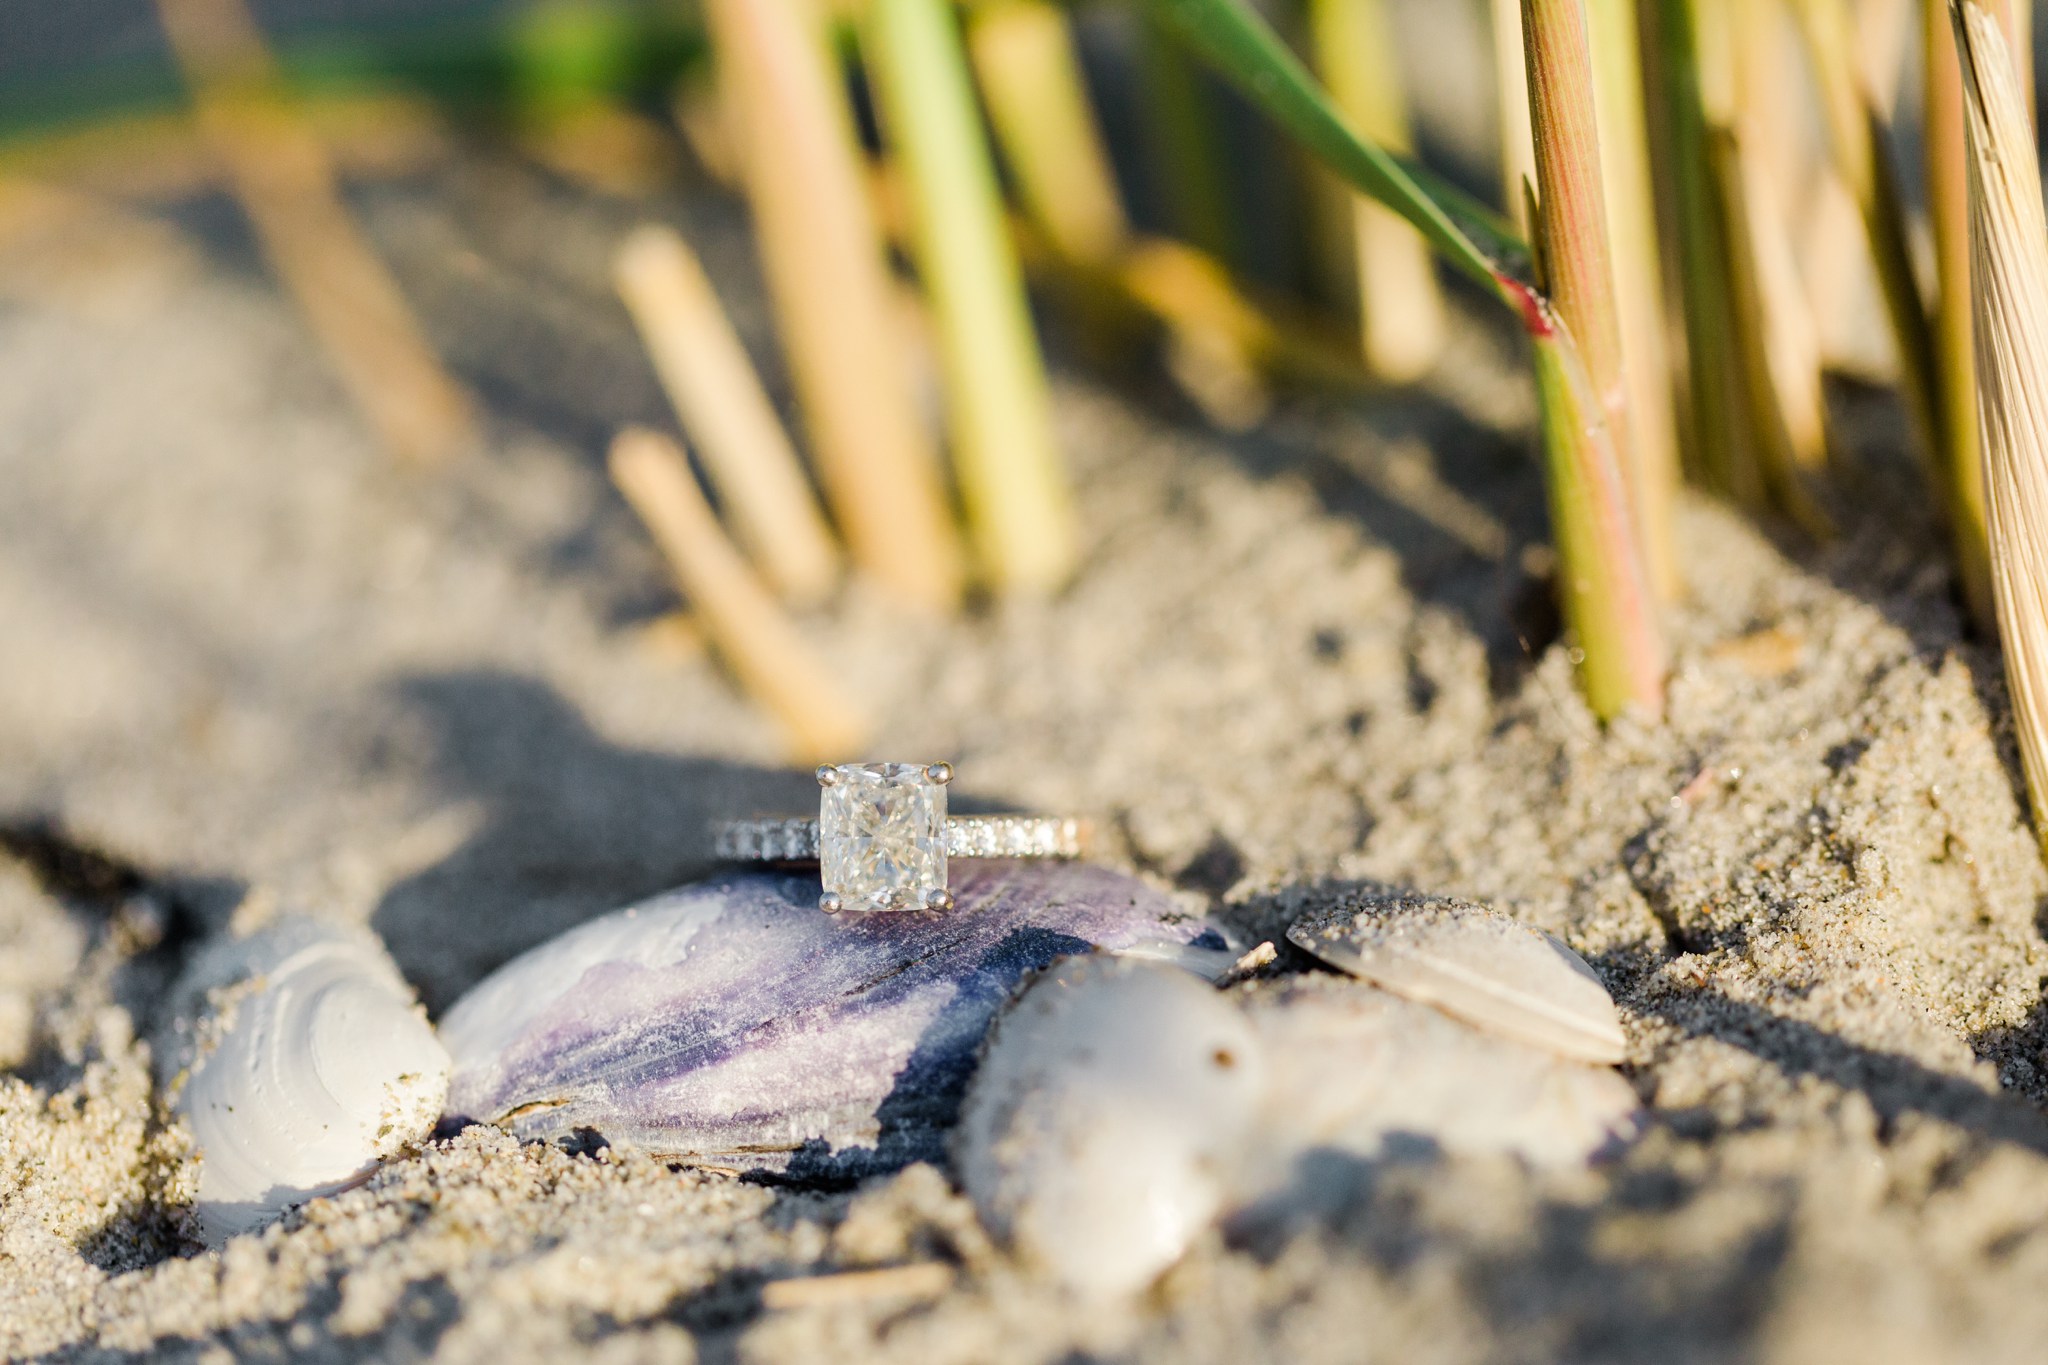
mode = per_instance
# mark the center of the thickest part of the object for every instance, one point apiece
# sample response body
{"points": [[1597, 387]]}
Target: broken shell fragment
{"points": [[731, 1023], [1469, 961], [1106, 1126], [299, 1060]]}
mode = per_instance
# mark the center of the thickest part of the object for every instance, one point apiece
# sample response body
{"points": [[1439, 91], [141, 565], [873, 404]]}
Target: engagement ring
{"points": [[882, 837]]}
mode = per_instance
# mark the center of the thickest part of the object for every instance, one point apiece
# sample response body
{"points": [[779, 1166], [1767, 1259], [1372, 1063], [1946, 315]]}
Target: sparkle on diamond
{"points": [[882, 836]]}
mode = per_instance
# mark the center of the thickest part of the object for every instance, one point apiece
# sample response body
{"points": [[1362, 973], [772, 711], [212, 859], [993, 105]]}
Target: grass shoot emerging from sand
{"points": [[1606, 592]]}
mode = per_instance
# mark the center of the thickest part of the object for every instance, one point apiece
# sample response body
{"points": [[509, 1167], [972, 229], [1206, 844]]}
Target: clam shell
{"points": [[1107, 1123], [1359, 1070], [1471, 962], [733, 1023], [299, 1061]]}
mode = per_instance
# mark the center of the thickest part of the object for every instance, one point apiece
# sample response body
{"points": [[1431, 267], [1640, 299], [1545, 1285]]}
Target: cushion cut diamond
{"points": [[882, 836]]}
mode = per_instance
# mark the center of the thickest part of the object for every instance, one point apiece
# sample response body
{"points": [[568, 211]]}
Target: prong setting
{"points": [[941, 773], [938, 899], [882, 836], [831, 904], [827, 775]]}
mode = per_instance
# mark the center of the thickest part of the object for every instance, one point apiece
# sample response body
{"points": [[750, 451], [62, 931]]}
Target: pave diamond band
{"points": [[967, 836], [882, 837]]}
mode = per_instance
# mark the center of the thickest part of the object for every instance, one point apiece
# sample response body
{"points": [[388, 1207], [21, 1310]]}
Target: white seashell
{"points": [[1357, 1069], [299, 1060], [1106, 1126], [1467, 960]]}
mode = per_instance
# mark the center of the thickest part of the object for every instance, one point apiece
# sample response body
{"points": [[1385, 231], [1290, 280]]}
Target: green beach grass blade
{"points": [[1247, 53]]}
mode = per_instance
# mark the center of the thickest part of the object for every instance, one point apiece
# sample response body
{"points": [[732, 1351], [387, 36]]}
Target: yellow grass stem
{"points": [[1607, 594], [1948, 210], [1511, 85], [1030, 76], [1774, 334], [1776, 424], [1045, 126], [285, 182], [746, 624], [1858, 140], [1638, 280], [1011, 472], [1841, 277], [1402, 318], [2009, 258], [717, 394], [1762, 166], [827, 272], [1753, 160]]}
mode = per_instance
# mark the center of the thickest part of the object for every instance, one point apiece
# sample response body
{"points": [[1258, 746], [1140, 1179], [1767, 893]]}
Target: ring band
{"points": [[882, 837], [967, 836]]}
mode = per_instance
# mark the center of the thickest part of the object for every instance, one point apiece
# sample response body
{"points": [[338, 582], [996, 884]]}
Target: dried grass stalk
{"points": [[1511, 86], [285, 182], [719, 397], [1774, 333], [1840, 273], [1948, 210], [1638, 278], [2016, 19], [2009, 260], [1859, 143], [1030, 76], [1401, 309], [828, 278], [748, 626], [1759, 177]]}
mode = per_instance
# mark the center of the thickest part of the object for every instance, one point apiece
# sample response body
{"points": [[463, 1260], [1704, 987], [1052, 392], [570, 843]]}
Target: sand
{"points": [[250, 665]]}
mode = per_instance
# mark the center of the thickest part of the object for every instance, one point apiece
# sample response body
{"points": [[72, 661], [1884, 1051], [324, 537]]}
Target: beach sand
{"points": [[250, 665]]}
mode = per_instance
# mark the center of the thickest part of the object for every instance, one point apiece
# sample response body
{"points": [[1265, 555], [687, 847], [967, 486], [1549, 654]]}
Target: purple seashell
{"points": [[731, 1022]]}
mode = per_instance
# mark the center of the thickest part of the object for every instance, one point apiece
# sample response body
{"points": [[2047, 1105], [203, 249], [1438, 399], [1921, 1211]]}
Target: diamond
{"points": [[882, 835]]}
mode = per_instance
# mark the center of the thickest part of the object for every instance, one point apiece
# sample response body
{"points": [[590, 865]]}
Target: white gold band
{"points": [[967, 836]]}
